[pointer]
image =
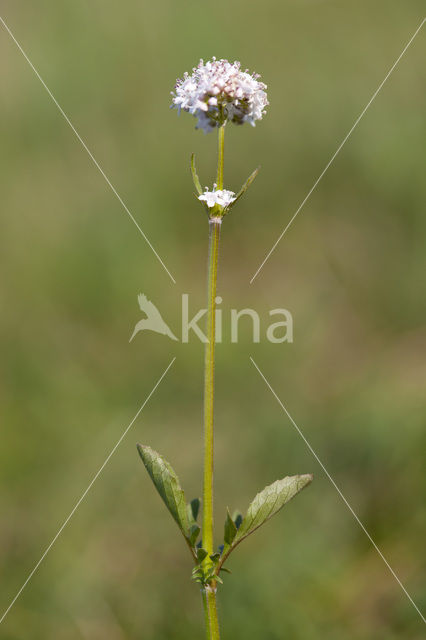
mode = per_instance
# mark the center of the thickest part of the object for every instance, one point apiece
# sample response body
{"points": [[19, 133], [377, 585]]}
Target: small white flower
{"points": [[219, 91], [222, 197]]}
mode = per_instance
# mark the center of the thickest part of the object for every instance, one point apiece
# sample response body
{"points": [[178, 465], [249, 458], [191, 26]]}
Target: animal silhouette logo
{"points": [[153, 320]]}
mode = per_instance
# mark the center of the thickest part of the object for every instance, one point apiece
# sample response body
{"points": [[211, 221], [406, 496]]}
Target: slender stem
{"points": [[214, 234], [209, 594], [212, 614], [206, 614], [219, 179]]}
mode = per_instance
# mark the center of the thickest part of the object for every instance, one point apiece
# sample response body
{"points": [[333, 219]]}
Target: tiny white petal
{"points": [[222, 197]]}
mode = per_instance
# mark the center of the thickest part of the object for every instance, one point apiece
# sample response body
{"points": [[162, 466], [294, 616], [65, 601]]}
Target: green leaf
{"points": [[269, 501], [193, 509], [265, 505], [230, 529], [195, 177], [242, 191], [237, 518], [167, 484], [194, 532], [201, 554]]}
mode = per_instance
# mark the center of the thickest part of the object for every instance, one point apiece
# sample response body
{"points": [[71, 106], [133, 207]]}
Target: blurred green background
{"points": [[351, 270]]}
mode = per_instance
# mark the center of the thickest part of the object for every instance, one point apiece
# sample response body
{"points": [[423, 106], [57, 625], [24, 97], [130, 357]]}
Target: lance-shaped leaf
{"points": [[242, 190], [195, 178], [167, 484], [265, 505], [269, 501]]}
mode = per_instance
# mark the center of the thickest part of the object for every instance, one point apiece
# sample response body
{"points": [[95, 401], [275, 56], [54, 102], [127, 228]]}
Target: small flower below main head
{"points": [[222, 197], [219, 91]]}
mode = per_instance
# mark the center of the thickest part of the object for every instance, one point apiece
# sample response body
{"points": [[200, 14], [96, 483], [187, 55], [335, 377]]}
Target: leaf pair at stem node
{"points": [[265, 505], [217, 210]]}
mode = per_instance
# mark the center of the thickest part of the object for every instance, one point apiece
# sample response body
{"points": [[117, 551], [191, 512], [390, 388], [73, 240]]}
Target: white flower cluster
{"points": [[219, 91], [222, 197]]}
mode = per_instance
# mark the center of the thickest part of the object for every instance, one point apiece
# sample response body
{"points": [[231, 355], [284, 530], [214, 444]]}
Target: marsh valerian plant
{"points": [[216, 93]]}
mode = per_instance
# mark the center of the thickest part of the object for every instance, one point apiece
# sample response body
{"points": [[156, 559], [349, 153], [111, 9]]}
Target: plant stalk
{"points": [[210, 615], [206, 614], [209, 595], [209, 361], [221, 145]]}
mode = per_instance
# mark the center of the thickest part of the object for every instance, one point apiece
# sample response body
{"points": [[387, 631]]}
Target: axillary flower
{"points": [[218, 91], [222, 197]]}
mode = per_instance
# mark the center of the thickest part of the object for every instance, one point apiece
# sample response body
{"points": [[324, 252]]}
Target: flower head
{"points": [[222, 197], [219, 91]]}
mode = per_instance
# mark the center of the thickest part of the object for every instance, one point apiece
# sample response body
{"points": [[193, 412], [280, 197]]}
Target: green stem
{"points": [[221, 144], [206, 614], [214, 224], [212, 615], [209, 594]]}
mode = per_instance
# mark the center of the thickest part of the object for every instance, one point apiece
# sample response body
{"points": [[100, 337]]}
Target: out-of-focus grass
{"points": [[351, 271]]}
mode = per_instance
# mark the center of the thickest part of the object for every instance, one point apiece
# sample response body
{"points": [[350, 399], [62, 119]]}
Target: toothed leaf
{"points": [[269, 501], [265, 505], [167, 484]]}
